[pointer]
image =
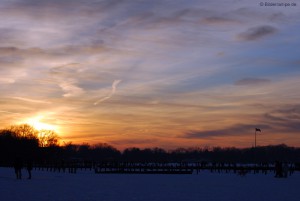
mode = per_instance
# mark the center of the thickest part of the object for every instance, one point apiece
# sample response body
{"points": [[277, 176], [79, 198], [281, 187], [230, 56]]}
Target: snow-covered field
{"points": [[86, 186]]}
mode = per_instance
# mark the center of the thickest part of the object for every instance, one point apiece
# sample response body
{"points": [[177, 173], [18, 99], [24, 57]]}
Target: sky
{"points": [[152, 73]]}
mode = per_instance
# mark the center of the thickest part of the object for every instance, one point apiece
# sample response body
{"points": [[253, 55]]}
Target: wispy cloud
{"points": [[235, 130], [70, 88], [252, 81], [31, 100], [256, 33], [8, 112], [217, 20], [7, 80], [113, 91], [285, 119]]}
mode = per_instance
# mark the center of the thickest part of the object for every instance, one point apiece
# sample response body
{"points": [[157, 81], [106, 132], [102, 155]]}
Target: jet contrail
{"points": [[31, 100], [113, 91]]}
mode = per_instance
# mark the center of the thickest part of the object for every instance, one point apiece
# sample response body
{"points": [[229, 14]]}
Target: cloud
{"points": [[66, 70], [9, 36], [70, 88], [252, 81], [219, 21], [287, 118], [235, 130], [3, 111], [32, 100], [256, 33], [7, 80], [60, 51], [130, 142], [113, 91]]}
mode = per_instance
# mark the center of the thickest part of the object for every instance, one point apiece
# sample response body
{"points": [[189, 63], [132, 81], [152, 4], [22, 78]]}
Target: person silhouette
{"points": [[18, 165], [285, 169], [29, 168], [278, 169]]}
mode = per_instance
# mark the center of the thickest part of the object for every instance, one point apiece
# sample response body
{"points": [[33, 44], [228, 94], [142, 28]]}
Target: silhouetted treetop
{"points": [[47, 138], [24, 131]]}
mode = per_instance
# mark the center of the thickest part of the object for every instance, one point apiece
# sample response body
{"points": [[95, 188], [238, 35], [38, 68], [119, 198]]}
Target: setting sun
{"points": [[38, 124]]}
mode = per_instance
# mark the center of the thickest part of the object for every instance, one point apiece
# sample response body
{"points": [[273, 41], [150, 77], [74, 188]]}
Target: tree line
{"points": [[24, 141], [42, 146]]}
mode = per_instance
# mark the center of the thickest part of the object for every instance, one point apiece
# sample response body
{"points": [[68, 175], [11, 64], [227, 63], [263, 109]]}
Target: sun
{"points": [[38, 124]]}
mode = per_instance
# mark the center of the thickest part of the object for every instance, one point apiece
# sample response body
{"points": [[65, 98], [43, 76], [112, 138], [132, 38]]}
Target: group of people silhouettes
{"points": [[18, 166], [281, 169]]}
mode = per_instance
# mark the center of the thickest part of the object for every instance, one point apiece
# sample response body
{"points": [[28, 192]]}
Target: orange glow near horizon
{"points": [[147, 136], [38, 123]]}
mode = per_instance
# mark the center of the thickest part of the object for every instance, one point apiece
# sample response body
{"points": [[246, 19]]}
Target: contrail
{"points": [[114, 85], [113, 91], [31, 100]]}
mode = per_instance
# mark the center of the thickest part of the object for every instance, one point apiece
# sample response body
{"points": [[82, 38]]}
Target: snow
{"points": [[88, 186]]}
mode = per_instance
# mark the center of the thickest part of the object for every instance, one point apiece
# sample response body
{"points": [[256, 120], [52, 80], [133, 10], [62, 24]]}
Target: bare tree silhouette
{"points": [[47, 138]]}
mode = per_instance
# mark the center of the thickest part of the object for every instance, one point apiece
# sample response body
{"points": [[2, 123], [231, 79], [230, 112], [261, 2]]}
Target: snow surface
{"points": [[88, 186]]}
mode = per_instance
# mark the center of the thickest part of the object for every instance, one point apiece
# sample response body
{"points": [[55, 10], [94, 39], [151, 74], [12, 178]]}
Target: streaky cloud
{"points": [[7, 80], [256, 33], [235, 130], [287, 118], [252, 81], [70, 89], [219, 21], [8, 112]]}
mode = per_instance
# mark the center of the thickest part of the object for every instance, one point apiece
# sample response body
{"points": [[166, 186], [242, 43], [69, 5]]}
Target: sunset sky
{"points": [[147, 73]]}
